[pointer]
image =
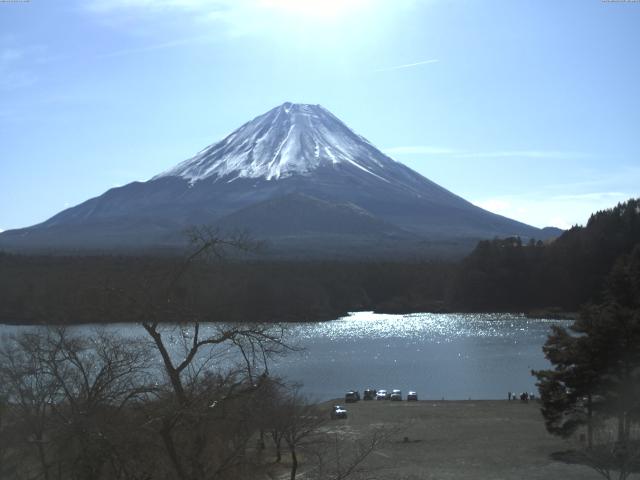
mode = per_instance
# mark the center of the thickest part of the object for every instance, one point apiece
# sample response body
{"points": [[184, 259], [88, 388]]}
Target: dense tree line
{"points": [[499, 275], [511, 275], [53, 289]]}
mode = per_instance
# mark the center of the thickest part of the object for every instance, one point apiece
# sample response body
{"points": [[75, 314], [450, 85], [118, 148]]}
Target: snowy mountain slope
{"points": [[292, 139], [292, 153]]}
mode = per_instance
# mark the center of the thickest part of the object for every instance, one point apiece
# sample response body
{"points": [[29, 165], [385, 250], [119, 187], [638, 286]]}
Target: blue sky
{"points": [[528, 108]]}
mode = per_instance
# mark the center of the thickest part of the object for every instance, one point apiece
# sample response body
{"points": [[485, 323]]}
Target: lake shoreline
{"points": [[451, 356], [545, 314]]}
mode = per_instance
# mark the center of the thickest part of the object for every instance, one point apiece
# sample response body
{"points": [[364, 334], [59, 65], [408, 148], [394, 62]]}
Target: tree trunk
{"points": [[589, 422], [197, 469], [620, 427], [277, 440], [294, 462], [43, 458], [172, 372], [627, 426], [171, 451]]}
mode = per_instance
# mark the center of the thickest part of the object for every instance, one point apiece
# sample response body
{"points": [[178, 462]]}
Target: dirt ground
{"points": [[460, 440]]}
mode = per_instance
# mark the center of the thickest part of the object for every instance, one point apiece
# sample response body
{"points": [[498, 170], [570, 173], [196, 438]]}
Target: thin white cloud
{"points": [[419, 149], [530, 210], [226, 6], [594, 196], [541, 210], [458, 153], [408, 65], [157, 46], [495, 205], [105, 6], [13, 80], [10, 54], [16, 63], [12, 72], [540, 154], [148, 16], [627, 176], [241, 17]]}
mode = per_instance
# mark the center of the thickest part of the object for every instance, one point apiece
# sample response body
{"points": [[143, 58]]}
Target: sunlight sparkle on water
{"points": [[422, 326]]}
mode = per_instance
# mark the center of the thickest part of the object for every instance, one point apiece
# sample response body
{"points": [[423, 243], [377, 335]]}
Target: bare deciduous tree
{"points": [[340, 458], [69, 396], [198, 411]]}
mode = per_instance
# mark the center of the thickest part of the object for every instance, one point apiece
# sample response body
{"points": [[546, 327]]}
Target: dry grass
{"points": [[461, 440]]}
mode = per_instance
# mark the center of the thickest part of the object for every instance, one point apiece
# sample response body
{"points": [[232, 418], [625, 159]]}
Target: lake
{"points": [[450, 356]]}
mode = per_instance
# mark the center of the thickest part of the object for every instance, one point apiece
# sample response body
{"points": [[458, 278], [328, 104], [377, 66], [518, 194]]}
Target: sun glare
{"points": [[317, 9]]}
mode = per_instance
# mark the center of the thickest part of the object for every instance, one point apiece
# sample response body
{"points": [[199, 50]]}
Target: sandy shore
{"points": [[461, 440]]}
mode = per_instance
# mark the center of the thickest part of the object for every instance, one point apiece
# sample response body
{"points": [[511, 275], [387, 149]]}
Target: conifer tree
{"points": [[596, 367]]}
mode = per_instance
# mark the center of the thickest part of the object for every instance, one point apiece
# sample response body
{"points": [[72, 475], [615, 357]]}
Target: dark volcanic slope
{"points": [[296, 214], [294, 171]]}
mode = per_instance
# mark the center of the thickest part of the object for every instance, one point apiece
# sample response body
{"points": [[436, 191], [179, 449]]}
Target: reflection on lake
{"points": [[455, 356], [451, 356]]}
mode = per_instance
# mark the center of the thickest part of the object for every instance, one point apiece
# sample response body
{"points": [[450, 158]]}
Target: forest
{"points": [[500, 275]]}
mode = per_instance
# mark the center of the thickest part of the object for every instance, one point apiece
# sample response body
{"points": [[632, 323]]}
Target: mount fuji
{"points": [[296, 176]]}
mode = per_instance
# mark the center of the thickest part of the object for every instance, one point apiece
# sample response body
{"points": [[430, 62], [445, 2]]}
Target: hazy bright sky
{"points": [[530, 109]]}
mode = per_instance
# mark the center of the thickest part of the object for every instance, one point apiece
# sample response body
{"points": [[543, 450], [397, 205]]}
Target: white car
{"points": [[338, 412], [381, 395]]}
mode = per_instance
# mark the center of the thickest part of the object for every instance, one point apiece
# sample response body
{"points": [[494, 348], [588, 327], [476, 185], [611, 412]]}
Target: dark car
{"points": [[396, 395], [412, 397], [338, 412], [351, 396], [369, 394]]}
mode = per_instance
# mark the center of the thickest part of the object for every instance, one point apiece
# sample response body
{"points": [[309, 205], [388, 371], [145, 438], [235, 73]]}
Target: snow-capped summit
{"points": [[290, 139]]}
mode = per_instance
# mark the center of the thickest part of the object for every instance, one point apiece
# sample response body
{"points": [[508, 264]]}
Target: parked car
{"points": [[396, 395], [369, 394], [338, 412], [412, 397], [351, 396], [381, 395]]}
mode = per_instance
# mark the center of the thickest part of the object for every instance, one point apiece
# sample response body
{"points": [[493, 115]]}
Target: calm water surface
{"points": [[451, 356]]}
